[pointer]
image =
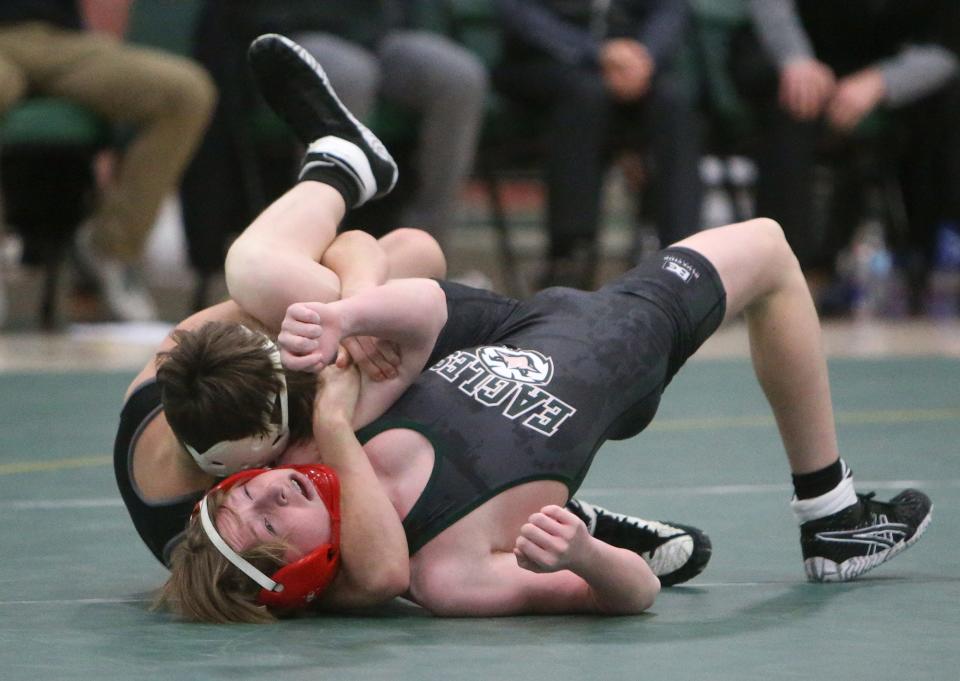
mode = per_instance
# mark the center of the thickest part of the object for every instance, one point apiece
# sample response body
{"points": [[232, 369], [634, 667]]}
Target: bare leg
{"points": [[413, 253], [276, 261], [842, 535], [763, 279]]}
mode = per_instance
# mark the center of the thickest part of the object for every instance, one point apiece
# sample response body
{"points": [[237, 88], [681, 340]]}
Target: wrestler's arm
{"points": [[409, 312], [375, 563], [599, 578]]}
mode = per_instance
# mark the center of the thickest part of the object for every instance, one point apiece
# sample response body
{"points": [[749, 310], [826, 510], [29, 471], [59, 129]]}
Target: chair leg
{"points": [[508, 260], [201, 292], [895, 206], [53, 266]]}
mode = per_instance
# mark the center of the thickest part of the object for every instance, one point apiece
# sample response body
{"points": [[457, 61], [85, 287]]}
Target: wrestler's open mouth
{"points": [[301, 487]]}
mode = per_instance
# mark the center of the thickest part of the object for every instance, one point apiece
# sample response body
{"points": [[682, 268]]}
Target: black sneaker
{"points": [[843, 546], [675, 552], [297, 89]]}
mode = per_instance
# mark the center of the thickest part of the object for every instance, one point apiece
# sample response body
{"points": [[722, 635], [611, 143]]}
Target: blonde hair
{"points": [[205, 587]]}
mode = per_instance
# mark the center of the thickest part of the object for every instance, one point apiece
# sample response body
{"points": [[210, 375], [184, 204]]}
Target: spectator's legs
{"points": [[785, 183], [167, 98], [674, 140], [578, 107], [13, 84], [928, 170], [447, 86], [353, 70], [222, 189]]}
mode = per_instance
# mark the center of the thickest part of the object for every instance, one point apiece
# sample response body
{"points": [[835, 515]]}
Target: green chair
{"points": [[40, 133], [47, 146]]}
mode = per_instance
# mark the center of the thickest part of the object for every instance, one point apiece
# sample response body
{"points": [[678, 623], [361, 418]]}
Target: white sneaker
{"points": [[121, 285]]}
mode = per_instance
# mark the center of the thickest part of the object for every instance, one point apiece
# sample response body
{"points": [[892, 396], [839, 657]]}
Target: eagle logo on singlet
{"points": [[525, 366], [511, 379]]}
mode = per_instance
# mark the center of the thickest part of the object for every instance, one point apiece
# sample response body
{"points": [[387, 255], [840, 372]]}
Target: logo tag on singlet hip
{"points": [[680, 267]]}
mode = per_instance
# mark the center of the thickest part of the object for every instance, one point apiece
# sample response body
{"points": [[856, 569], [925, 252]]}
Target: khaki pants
{"points": [[167, 99]]}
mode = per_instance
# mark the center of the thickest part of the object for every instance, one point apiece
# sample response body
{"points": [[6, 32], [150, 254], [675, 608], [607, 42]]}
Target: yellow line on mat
{"points": [[880, 416], [54, 465], [883, 416]]}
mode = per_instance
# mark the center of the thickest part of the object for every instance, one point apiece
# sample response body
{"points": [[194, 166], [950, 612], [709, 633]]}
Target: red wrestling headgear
{"points": [[295, 585]]}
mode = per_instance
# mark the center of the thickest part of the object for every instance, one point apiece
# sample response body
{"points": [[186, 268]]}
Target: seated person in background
{"points": [[600, 72], [374, 53], [833, 65], [46, 51], [480, 452]]}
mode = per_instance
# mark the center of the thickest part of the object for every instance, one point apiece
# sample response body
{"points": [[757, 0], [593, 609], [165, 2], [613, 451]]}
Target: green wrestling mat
{"points": [[75, 579]]}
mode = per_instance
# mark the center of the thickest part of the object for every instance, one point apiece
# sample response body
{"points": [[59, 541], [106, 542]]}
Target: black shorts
{"points": [[631, 336]]}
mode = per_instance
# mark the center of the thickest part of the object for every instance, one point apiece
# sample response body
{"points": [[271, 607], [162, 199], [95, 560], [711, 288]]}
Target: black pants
{"points": [[218, 196], [584, 122], [920, 145]]}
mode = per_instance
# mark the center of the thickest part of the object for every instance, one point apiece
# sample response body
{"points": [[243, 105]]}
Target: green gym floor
{"points": [[75, 581]]}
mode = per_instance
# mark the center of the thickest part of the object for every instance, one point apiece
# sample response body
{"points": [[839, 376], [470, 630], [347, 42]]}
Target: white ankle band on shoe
{"points": [[351, 156], [837, 499]]}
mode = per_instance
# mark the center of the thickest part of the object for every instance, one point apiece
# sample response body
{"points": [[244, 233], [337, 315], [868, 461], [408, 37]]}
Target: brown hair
{"points": [[205, 587], [214, 384]]}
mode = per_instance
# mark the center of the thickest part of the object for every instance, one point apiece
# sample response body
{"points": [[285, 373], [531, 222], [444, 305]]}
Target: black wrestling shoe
{"points": [[297, 89], [843, 546], [675, 553]]}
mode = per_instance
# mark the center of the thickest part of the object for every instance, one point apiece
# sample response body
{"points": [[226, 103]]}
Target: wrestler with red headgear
{"points": [[482, 450], [293, 251]]}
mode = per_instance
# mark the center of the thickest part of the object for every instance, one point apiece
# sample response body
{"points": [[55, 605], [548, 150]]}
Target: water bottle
{"points": [[945, 279], [872, 267]]}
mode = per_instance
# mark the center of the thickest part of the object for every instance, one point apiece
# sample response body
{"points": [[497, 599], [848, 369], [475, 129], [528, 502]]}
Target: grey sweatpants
{"points": [[441, 81]]}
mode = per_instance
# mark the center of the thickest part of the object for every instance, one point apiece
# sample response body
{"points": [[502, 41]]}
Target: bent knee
{"points": [[356, 238], [13, 86], [771, 241], [414, 252], [240, 263]]}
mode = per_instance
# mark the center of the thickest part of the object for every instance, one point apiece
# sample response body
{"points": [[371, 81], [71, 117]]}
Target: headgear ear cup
{"points": [[298, 584], [308, 577]]}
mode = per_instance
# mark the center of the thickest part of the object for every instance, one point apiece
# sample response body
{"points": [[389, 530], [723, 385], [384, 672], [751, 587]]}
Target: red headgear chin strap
{"points": [[295, 585]]}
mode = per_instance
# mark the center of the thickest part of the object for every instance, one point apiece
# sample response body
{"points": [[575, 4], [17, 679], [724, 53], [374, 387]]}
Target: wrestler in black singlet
{"points": [[159, 525], [556, 376], [543, 384], [471, 313]]}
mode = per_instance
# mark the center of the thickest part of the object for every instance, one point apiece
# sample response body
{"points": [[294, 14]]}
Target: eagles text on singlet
{"points": [[508, 378]]}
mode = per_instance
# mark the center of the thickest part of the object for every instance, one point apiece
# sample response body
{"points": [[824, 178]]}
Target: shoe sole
{"points": [[694, 565], [277, 48], [820, 569]]}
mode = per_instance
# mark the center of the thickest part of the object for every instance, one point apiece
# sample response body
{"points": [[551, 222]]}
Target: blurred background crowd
{"points": [[571, 119]]}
